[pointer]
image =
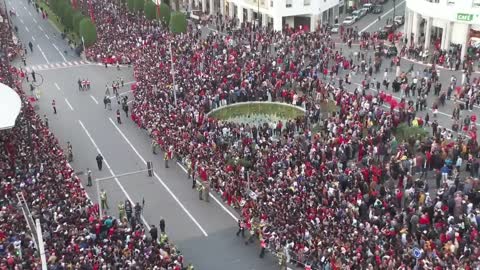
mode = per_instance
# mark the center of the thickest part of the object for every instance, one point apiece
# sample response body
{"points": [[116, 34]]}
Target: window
{"points": [[450, 2], [306, 2], [288, 3], [476, 3]]}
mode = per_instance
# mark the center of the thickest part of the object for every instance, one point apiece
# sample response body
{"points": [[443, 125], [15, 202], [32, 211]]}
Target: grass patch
{"points": [[242, 110], [55, 20]]}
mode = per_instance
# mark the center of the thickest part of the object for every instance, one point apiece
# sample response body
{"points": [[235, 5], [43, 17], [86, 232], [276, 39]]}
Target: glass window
{"points": [[476, 3], [288, 3], [306, 2]]}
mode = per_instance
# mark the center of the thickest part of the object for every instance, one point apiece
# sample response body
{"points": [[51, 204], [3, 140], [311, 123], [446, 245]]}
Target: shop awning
{"points": [[10, 105]]}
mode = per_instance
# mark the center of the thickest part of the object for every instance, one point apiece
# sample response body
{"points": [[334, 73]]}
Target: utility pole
{"points": [[173, 76]]}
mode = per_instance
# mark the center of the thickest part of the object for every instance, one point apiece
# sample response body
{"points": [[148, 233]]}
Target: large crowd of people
{"points": [[33, 166], [345, 195]]}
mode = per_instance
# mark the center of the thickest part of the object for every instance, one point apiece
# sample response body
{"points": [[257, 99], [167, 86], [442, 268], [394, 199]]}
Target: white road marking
{"points": [[69, 63], [35, 21], [213, 197], [33, 38], [111, 171], [29, 13], [57, 64], [94, 99], [39, 27], [75, 62], [21, 21], [26, 29], [47, 36], [56, 85], [68, 103], [45, 66], [384, 15], [44, 56], [64, 64], [160, 180], [61, 54], [24, 7]]}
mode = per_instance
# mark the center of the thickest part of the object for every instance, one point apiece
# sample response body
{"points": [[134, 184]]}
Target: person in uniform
{"points": [[154, 233], [154, 146], [282, 261], [103, 199], [121, 211], [162, 225], [200, 191], [99, 159], [128, 210], [89, 177], [206, 191]]}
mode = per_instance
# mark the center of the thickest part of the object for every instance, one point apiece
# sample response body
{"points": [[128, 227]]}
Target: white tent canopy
{"points": [[10, 105]]}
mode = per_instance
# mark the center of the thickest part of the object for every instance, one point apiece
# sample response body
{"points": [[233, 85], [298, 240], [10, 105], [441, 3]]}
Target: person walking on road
{"points": [[46, 120], [105, 101], [121, 211], [241, 227], [128, 209], [125, 109], [54, 107], [31, 46], [154, 233], [99, 159], [89, 177], [103, 199], [119, 120], [162, 225], [138, 211], [33, 76]]}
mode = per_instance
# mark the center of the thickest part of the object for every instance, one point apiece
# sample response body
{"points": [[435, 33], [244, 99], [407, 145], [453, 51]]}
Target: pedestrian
{"points": [[109, 104], [46, 120], [54, 107], [122, 82], [128, 209], [24, 60], [162, 225], [99, 159], [31, 46], [241, 227], [119, 120], [105, 101], [89, 177], [206, 192], [200, 191], [103, 199], [125, 109], [138, 211], [154, 233], [33, 76], [263, 246]]}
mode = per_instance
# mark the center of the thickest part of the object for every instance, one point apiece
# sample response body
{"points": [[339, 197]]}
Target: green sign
{"points": [[464, 17]]}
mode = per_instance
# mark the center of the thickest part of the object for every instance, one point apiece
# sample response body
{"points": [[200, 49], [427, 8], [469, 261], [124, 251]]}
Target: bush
{"points": [[131, 5], [150, 10], [403, 132], [76, 19], [138, 5], [164, 15], [88, 31], [178, 22]]}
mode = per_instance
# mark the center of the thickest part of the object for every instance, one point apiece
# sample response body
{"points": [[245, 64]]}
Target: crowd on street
{"points": [[347, 195], [33, 166]]}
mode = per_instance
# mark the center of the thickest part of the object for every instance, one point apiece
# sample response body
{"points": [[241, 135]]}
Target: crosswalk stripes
{"points": [[56, 65]]}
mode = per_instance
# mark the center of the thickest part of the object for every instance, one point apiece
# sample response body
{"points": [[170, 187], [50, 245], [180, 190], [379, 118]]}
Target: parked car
{"points": [[377, 9], [368, 6], [349, 20], [335, 28], [365, 11], [399, 20], [390, 27], [358, 14]]}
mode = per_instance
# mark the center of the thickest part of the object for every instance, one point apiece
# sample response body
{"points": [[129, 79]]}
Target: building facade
{"points": [[442, 23]]}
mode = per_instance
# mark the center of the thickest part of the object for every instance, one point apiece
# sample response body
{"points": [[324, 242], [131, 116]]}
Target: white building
{"points": [[308, 13], [447, 21]]}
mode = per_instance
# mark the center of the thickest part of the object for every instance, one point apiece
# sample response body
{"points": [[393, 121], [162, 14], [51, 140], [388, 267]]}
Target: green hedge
{"points": [[67, 15], [178, 22], [150, 10], [88, 31], [164, 15]]}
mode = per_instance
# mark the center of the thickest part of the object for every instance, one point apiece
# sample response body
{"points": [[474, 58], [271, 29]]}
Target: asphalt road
{"points": [[205, 232]]}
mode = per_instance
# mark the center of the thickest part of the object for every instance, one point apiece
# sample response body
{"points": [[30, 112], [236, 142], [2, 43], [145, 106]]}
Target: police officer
{"points": [[128, 209], [154, 146], [138, 211], [121, 211], [163, 238], [200, 191], [206, 191], [89, 177], [103, 199], [282, 261]]}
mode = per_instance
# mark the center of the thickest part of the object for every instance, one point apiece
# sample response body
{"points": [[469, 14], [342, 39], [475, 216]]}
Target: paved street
{"points": [[205, 232]]}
